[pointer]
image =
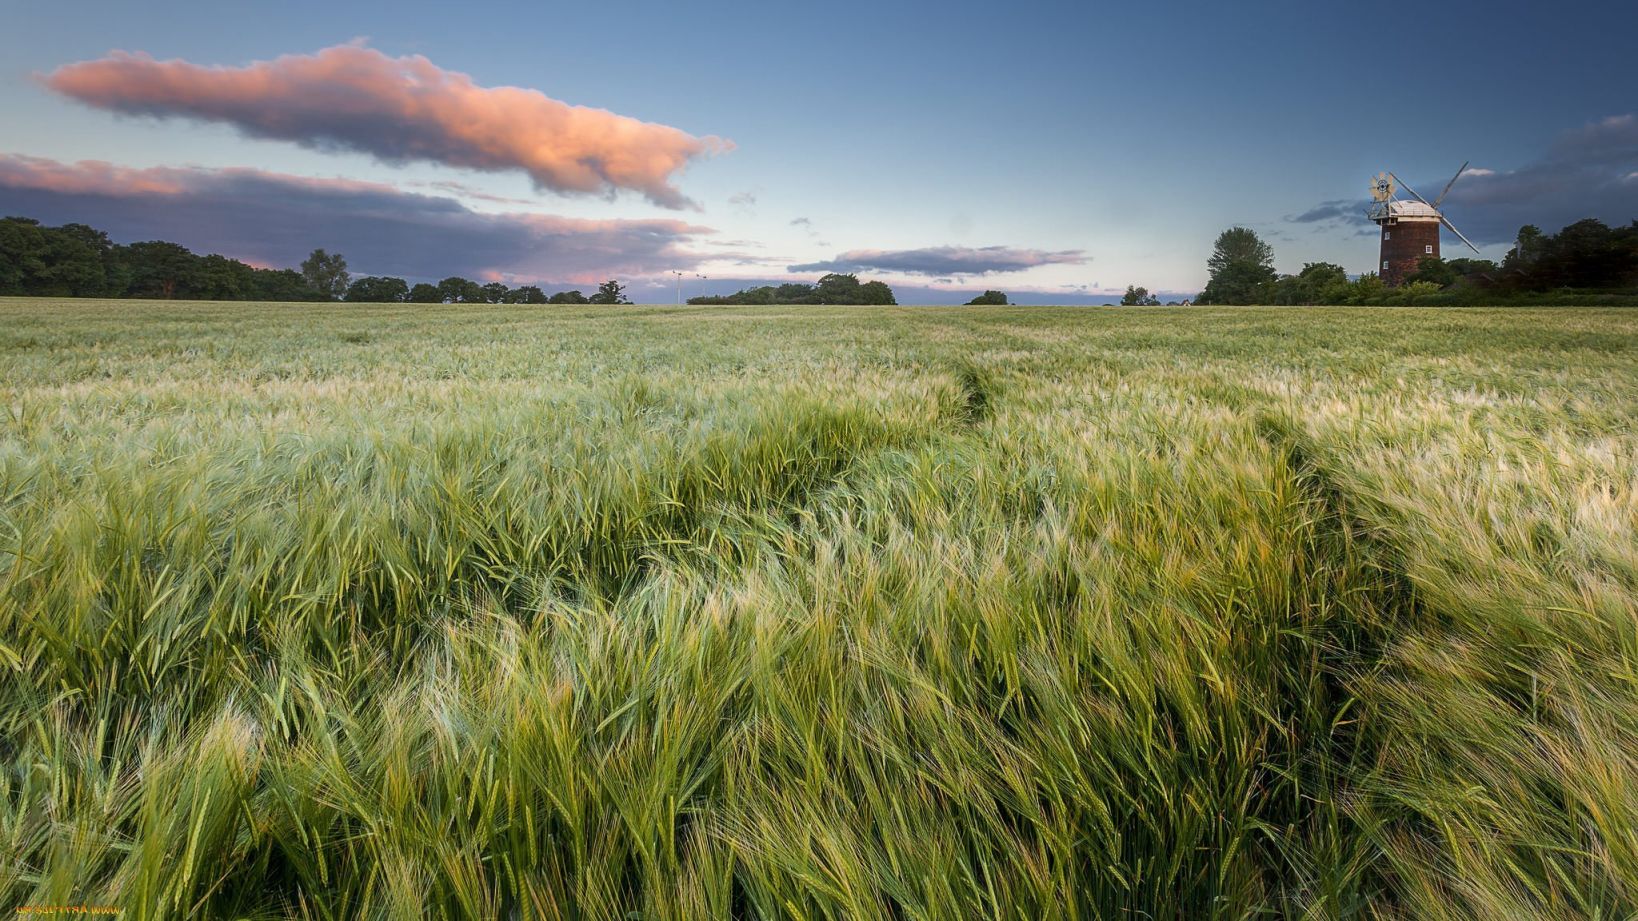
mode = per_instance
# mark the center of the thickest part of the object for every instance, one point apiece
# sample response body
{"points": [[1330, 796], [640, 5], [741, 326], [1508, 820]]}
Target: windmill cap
{"points": [[1412, 210]]}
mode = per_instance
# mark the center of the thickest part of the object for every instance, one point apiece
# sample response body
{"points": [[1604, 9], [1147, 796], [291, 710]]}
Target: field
{"points": [[917, 613]]}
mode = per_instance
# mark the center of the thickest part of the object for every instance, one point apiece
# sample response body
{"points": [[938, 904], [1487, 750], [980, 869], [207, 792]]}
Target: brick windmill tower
{"points": [[1410, 229]]}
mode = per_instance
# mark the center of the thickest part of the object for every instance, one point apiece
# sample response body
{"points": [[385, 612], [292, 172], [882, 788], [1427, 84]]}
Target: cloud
{"points": [[938, 261], [1334, 210], [275, 219], [1585, 173], [743, 199], [801, 222], [404, 109]]}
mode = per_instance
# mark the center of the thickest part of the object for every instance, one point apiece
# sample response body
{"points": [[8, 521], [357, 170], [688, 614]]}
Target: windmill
{"points": [[1410, 229]]}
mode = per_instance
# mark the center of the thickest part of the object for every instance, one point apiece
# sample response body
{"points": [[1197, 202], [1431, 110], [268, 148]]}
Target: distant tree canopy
{"points": [[836, 288], [374, 289], [610, 292], [1242, 269], [79, 261], [1317, 283], [1587, 254], [1138, 297], [526, 294], [989, 298], [326, 273]]}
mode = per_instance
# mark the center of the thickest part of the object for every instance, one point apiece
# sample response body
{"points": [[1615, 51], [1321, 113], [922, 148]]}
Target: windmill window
{"points": [[1387, 235], [1384, 265], [1428, 249]]}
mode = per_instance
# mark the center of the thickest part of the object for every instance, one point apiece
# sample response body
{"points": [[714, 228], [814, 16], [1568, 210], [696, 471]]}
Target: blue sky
{"points": [[1057, 150]]}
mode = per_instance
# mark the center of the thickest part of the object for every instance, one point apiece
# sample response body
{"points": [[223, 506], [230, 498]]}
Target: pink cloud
{"points": [[401, 109], [88, 177]]}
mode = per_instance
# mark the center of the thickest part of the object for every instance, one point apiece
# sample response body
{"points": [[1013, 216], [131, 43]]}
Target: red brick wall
{"points": [[1403, 246]]}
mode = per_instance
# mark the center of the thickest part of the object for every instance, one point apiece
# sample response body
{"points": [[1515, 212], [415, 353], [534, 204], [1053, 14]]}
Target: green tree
{"points": [[838, 288], [281, 285], [22, 254], [795, 293], [1433, 271], [67, 261], [610, 292], [1526, 250], [223, 279], [160, 269], [525, 294], [494, 292], [990, 298], [424, 293], [876, 293], [326, 273], [458, 290], [568, 297], [1241, 267], [377, 289], [1317, 283], [1136, 296], [76, 261]]}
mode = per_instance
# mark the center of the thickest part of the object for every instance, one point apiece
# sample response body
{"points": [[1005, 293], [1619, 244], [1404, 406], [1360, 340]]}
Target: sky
{"points": [[1056, 151]]}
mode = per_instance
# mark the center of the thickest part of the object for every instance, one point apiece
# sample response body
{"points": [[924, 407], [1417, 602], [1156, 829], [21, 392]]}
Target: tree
{"points": [[610, 292], [376, 289], [281, 285], [160, 269], [326, 273], [1585, 254], [1317, 283], [1138, 297], [67, 261], [838, 288], [526, 294], [832, 289], [1526, 250], [795, 292], [1434, 271], [424, 293], [990, 298], [876, 293], [494, 293], [1242, 269], [568, 297], [222, 279], [458, 290]]}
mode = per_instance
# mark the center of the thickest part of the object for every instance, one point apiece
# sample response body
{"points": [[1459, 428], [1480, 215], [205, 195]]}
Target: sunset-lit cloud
{"points": [[944, 261], [275, 219], [401, 109]]}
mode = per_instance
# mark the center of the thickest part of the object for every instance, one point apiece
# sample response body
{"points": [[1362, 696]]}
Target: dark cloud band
{"points": [[273, 219], [945, 261]]}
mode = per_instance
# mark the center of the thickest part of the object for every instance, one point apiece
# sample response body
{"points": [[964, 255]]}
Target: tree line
{"points": [[1588, 263], [835, 288], [376, 289], [76, 260]]}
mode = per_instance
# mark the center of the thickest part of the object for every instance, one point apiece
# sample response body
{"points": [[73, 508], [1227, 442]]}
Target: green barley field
{"points": [[339, 612]]}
